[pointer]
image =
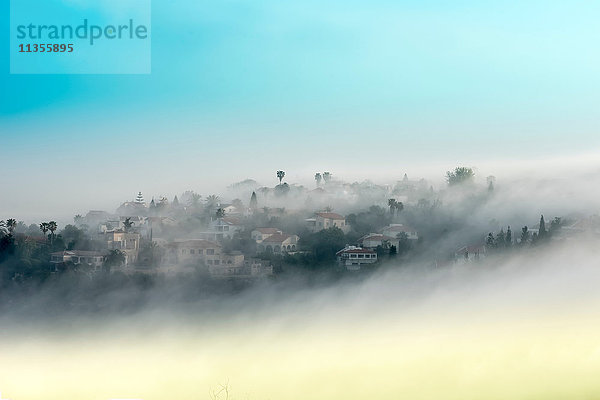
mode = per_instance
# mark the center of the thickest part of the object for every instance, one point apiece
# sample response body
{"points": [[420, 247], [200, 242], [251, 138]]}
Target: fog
{"points": [[426, 323], [523, 327]]}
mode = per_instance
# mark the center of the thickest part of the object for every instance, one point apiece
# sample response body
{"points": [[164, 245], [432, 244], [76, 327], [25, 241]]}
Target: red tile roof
{"points": [[277, 238], [268, 230], [330, 215]]}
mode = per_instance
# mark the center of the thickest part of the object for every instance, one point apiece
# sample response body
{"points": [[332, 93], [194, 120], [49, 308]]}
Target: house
{"points": [[190, 251], [224, 227], [227, 265], [470, 252], [260, 234], [93, 259], [374, 240], [230, 209], [258, 267], [326, 220], [127, 242], [352, 257], [393, 230], [278, 243]]}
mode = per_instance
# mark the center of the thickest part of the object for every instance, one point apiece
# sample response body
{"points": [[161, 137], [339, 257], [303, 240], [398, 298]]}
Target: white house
{"points": [[260, 234], [373, 240], [127, 242], [78, 257], [193, 251], [278, 243], [326, 220], [393, 230], [225, 227], [352, 257]]}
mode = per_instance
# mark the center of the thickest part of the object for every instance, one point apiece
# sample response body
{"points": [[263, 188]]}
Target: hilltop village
{"points": [[255, 231]]}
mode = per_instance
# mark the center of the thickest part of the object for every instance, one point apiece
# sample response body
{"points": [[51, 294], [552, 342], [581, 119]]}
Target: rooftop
{"points": [[330, 215], [277, 238]]}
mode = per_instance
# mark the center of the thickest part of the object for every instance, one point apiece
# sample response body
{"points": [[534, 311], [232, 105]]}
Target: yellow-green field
{"points": [[509, 339]]}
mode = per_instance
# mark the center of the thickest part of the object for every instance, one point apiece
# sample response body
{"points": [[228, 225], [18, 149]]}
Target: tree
{"points": [[220, 213], [191, 199], [75, 238], [282, 189], [52, 227], [114, 259], [500, 238], [542, 231], [555, 225], [11, 224], [460, 175], [238, 204], [127, 224], [490, 242], [326, 177], [490, 180], [393, 251], [44, 228], [508, 238], [318, 178], [280, 175], [392, 205], [403, 243], [212, 201], [78, 220], [395, 206], [524, 235], [253, 202], [175, 203]]}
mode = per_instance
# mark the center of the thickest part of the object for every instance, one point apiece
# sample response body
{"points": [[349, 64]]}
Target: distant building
{"points": [[193, 251], [132, 208], [260, 234], [352, 257], [95, 217], [278, 243], [210, 254], [326, 220], [94, 259], [393, 230], [374, 240], [127, 242], [225, 227], [470, 252], [258, 267]]}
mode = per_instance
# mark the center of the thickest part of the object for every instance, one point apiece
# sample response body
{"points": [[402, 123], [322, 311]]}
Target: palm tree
{"points": [[78, 220], [318, 178], [44, 228], [395, 206], [11, 224], [280, 175], [52, 226], [212, 200], [392, 205], [127, 224]]}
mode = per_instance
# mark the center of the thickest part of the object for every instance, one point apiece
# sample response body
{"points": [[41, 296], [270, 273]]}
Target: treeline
{"points": [[506, 239]]}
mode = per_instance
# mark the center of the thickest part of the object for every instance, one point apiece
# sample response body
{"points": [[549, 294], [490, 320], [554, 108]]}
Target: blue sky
{"points": [[241, 88]]}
